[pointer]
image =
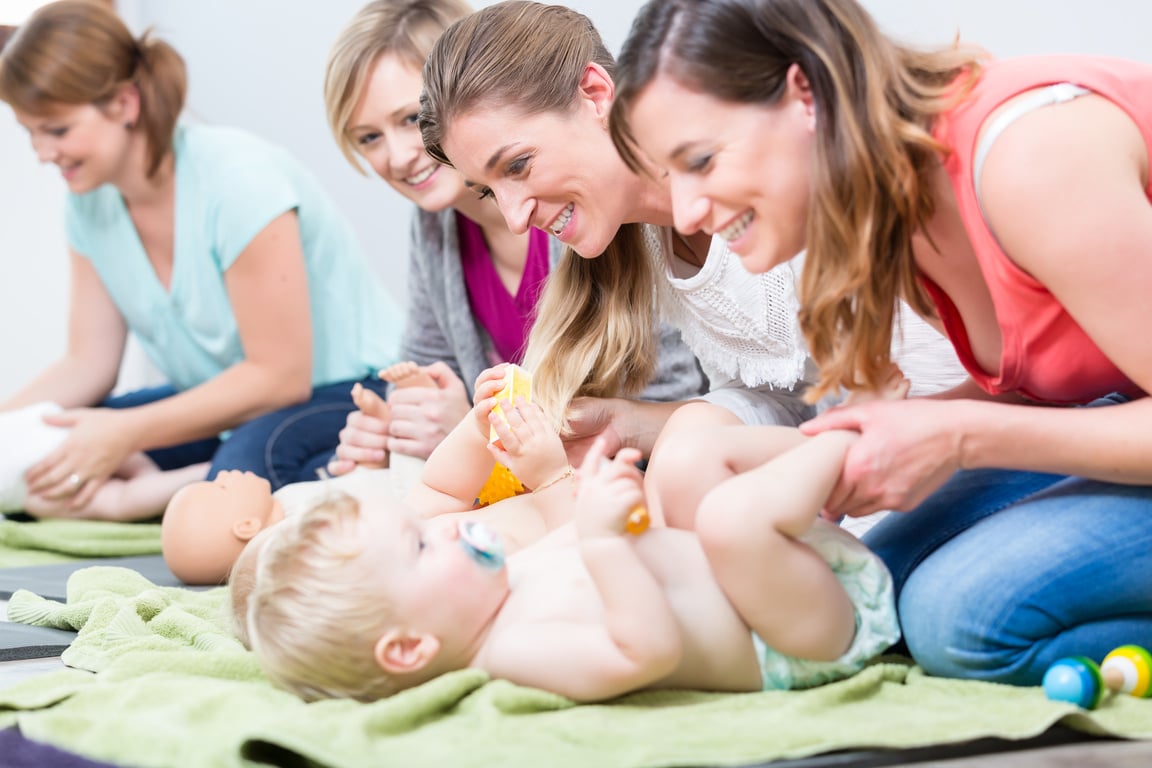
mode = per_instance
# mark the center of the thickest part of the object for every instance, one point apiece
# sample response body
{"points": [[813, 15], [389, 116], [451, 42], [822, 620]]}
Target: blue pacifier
{"points": [[482, 544]]}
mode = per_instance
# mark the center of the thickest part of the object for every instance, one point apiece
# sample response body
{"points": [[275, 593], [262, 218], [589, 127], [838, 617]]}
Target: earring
{"points": [[130, 125]]}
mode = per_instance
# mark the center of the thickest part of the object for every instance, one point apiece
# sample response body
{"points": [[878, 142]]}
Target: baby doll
{"points": [[137, 491], [763, 595], [208, 523]]}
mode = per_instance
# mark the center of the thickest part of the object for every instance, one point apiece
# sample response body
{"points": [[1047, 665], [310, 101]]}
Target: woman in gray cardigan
{"points": [[473, 284]]}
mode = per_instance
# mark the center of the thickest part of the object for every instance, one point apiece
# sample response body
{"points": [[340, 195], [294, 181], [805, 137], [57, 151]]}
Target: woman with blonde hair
{"points": [[517, 97], [218, 251], [975, 189], [473, 284]]}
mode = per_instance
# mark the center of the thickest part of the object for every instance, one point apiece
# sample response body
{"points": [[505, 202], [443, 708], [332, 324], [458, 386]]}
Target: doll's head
{"points": [[207, 524]]}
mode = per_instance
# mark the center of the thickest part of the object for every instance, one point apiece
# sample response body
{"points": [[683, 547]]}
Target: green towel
{"points": [[57, 541], [174, 688]]}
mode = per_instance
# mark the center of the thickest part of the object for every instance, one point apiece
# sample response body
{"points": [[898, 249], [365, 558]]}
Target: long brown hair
{"points": [[75, 52], [876, 102], [594, 332], [402, 28]]}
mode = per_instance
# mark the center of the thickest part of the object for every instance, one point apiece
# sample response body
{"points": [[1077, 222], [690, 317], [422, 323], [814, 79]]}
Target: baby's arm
{"points": [[781, 587], [457, 469], [531, 449], [639, 640]]}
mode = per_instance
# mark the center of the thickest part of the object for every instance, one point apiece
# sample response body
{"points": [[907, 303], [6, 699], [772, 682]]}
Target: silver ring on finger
{"points": [[75, 480]]}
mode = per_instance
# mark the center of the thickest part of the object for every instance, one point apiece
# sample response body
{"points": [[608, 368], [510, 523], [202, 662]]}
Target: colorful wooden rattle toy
{"points": [[1080, 681]]}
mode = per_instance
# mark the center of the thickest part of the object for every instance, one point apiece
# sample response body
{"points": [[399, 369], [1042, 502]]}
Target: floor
{"points": [[12, 672]]}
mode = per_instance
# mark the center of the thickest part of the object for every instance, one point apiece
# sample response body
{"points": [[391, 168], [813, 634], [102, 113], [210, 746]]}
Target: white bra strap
{"points": [[1053, 94]]}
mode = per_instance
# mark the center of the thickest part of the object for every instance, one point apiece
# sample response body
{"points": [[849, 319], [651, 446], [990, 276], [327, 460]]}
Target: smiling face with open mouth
{"points": [[556, 171], [739, 171], [384, 131]]}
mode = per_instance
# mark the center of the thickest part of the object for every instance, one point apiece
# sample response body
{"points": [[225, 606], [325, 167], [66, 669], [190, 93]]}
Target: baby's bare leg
{"points": [[692, 462], [406, 374], [694, 417], [783, 589]]}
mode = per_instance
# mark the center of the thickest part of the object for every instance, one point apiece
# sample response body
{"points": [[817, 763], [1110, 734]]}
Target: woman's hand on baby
{"points": [[906, 450], [895, 387], [607, 490], [527, 443], [590, 419], [422, 416], [364, 438], [100, 440]]}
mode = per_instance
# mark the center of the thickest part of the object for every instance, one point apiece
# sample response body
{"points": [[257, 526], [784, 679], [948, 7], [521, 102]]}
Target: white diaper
{"points": [[24, 440]]}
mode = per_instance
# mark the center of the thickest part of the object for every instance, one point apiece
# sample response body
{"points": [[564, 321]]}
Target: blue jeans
{"points": [[285, 446], [1000, 573]]}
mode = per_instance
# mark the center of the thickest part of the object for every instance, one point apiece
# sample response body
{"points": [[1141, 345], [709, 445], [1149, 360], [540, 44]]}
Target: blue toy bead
{"points": [[1075, 679]]}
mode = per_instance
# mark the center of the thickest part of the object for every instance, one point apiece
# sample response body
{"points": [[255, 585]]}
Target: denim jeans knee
{"points": [[1063, 572], [290, 445]]}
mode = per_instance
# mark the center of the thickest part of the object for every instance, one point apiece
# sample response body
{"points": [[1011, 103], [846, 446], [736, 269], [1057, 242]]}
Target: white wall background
{"points": [[256, 65]]}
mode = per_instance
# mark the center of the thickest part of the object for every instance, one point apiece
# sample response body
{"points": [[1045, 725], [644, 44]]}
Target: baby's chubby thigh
{"points": [[869, 587]]}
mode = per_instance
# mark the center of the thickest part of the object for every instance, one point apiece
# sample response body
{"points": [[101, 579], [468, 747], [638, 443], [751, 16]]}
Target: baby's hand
{"points": [[527, 444], [488, 385], [607, 492]]}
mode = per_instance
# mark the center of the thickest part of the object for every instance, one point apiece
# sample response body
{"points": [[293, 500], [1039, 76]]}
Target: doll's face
{"points": [[242, 495], [207, 524]]}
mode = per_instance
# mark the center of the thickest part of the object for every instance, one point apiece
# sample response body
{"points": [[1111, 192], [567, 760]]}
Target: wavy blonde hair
{"points": [[314, 609], [76, 52], [594, 332], [406, 29], [876, 103]]}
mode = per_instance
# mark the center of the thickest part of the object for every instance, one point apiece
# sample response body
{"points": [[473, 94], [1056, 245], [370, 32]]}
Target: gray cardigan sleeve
{"points": [[678, 372], [440, 324]]}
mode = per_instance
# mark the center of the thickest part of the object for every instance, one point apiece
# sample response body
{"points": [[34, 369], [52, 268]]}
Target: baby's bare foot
{"points": [[370, 403], [406, 374]]}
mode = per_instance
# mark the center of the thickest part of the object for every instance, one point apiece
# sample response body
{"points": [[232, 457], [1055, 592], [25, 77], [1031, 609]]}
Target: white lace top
{"points": [[742, 327]]}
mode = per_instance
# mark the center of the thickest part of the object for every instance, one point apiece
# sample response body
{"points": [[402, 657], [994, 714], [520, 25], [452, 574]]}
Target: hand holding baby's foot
{"points": [[364, 439], [406, 374]]}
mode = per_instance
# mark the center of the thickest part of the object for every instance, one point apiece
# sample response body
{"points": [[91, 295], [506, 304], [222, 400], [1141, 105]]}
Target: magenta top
{"points": [[505, 317]]}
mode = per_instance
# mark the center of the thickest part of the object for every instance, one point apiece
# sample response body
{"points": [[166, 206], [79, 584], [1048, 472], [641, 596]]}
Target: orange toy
{"points": [[501, 483]]}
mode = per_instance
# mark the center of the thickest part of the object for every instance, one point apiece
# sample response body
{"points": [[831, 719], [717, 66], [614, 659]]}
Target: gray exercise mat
{"points": [[21, 641], [50, 581]]}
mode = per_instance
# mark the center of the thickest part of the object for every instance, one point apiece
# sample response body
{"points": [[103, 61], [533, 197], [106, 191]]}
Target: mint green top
{"points": [[230, 185]]}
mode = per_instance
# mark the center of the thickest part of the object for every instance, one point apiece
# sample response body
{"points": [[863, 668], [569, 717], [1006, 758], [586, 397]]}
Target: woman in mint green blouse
{"points": [[217, 250]]}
